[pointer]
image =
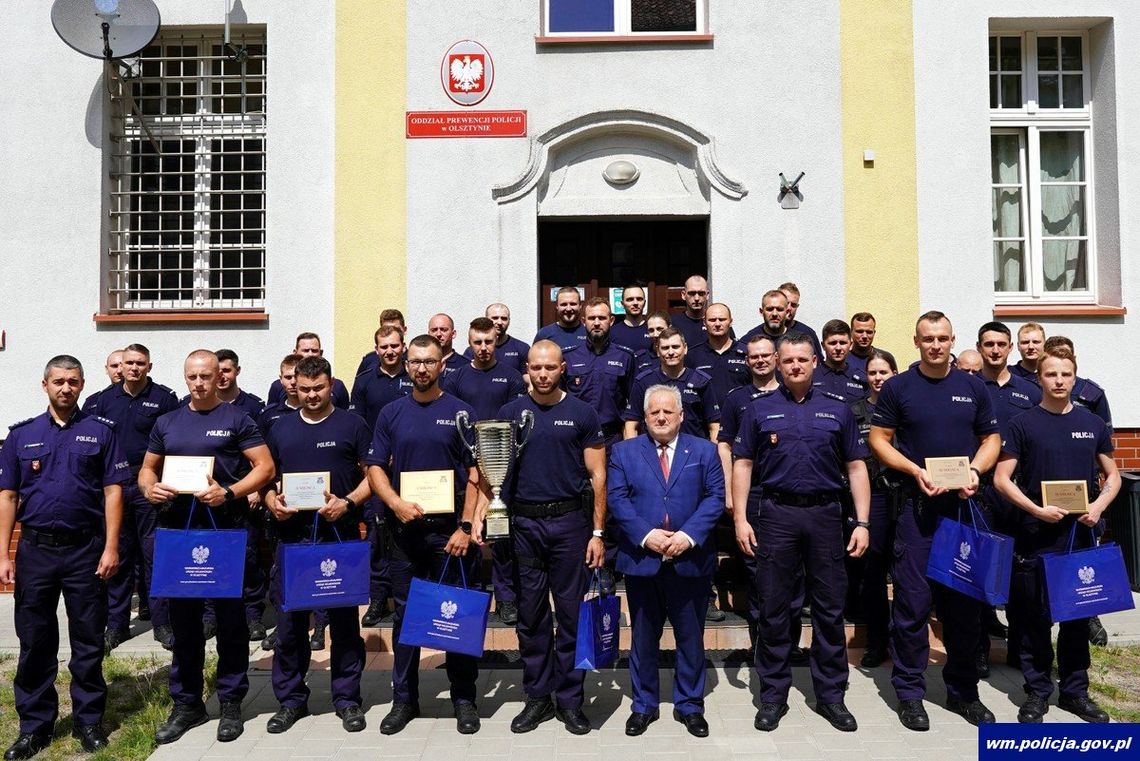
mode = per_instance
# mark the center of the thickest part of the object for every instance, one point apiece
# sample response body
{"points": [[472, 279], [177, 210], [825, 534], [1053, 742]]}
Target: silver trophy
{"points": [[497, 444]]}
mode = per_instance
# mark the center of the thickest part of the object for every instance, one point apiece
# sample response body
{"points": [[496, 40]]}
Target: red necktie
{"points": [[665, 461]]}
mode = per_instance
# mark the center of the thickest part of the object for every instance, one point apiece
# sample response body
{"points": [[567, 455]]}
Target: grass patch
{"points": [[1114, 681], [137, 702]]}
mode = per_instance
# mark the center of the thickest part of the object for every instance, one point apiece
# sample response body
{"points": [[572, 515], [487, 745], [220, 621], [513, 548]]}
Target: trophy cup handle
{"points": [[463, 425], [525, 428]]}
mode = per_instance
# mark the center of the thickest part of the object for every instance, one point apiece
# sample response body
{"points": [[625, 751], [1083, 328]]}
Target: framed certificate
{"points": [[305, 491], [1070, 496], [432, 490], [949, 472], [186, 475]]}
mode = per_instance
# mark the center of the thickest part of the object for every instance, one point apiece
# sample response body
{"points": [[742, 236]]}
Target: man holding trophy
{"points": [[558, 512]]}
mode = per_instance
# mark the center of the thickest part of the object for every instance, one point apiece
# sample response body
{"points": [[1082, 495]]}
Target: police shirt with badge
{"points": [[697, 399], [485, 389], [59, 471], [512, 353], [601, 380], [134, 416], [551, 467], [374, 389], [728, 369], [734, 407], [847, 382], [1011, 399]]}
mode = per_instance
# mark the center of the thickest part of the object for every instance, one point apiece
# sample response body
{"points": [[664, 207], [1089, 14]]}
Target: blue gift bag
{"points": [[1084, 583], [971, 560], [599, 619], [202, 563], [444, 617], [330, 575]]}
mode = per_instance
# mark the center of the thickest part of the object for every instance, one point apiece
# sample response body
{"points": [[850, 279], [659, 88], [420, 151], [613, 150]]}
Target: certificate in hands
{"points": [[305, 491], [1070, 496], [432, 490], [186, 475], [949, 472]]}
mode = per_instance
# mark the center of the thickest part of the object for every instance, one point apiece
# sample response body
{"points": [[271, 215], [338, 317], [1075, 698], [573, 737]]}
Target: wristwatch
{"points": [[863, 524], [598, 533], [230, 497], [349, 505], [465, 527], [977, 472]]}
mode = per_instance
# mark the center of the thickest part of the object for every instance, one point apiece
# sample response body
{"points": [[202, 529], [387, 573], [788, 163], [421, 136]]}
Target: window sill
{"points": [[620, 39], [1058, 310], [134, 318]]}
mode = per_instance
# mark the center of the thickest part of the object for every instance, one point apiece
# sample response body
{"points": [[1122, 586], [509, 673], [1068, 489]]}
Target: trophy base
{"points": [[498, 527]]}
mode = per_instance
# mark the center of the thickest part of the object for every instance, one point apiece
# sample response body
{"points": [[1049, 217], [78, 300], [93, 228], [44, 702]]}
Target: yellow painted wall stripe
{"points": [[370, 233], [881, 204]]}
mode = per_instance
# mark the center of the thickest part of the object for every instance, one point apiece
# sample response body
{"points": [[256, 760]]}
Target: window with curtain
{"points": [[624, 17], [1040, 184]]}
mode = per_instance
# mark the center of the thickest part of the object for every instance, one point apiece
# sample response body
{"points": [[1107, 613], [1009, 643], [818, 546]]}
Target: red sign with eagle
{"points": [[467, 72]]}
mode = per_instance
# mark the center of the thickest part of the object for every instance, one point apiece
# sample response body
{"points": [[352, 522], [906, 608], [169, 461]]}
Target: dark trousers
{"points": [[503, 571], [42, 574], [292, 657], [186, 679], [551, 562], [684, 601], [136, 561], [792, 540], [872, 578], [417, 550], [380, 577], [914, 597], [752, 571]]}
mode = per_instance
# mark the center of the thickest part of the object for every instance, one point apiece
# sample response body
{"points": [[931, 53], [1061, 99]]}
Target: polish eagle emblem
{"points": [[448, 609], [964, 550], [328, 567], [200, 554], [1086, 574], [467, 73], [607, 622]]}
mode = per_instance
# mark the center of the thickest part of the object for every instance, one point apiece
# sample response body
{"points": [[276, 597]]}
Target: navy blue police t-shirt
{"points": [[485, 390], [511, 352], [374, 389], [566, 338], [223, 433], [550, 467], [728, 369], [1012, 399], [636, 339], [134, 416], [251, 404]]}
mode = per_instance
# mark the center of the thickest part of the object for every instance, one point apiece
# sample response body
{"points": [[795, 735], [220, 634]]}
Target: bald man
{"points": [[442, 328], [508, 349]]}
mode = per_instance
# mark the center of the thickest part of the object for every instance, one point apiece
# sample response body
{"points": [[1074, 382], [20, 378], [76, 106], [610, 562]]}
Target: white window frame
{"points": [[623, 23], [1029, 122]]}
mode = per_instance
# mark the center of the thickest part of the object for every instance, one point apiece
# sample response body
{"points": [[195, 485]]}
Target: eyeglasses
{"points": [[428, 363]]}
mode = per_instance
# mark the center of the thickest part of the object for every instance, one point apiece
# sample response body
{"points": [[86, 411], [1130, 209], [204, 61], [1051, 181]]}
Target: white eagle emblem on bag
{"points": [[607, 621], [964, 550], [328, 567], [200, 554], [1086, 574], [448, 609]]}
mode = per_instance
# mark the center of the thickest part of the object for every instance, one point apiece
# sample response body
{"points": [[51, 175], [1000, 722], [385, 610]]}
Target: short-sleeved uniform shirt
{"points": [[511, 352], [250, 404], [134, 416], [277, 394], [936, 417], [271, 414], [693, 329], [635, 338], [551, 467], [59, 471], [337, 444], [1053, 447], [485, 390], [566, 338], [802, 447], [1026, 375], [224, 433], [644, 360], [374, 389], [601, 380], [733, 409], [860, 363], [847, 382], [697, 399], [727, 369], [412, 435], [1011, 399]]}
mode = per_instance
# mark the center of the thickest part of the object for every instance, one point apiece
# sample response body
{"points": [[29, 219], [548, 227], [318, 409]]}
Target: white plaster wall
{"points": [[767, 91], [952, 126], [51, 203]]}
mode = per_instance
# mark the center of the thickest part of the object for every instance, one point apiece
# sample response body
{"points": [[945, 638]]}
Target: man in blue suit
{"points": [[666, 492]]}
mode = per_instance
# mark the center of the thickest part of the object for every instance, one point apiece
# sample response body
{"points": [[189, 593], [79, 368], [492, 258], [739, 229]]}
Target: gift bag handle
{"points": [[316, 523], [443, 573], [190, 517], [976, 515], [1073, 536]]}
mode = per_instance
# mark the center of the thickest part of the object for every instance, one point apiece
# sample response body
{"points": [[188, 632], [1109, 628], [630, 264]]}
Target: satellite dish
{"points": [[106, 29]]}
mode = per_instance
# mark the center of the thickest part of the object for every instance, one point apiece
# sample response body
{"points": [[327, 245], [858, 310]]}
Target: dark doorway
{"points": [[597, 255]]}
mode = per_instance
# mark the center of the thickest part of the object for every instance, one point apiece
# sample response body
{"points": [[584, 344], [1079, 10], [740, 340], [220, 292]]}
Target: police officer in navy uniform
{"points": [[719, 356], [568, 331], [318, 438], [863, 328], [1030, 343], [1056, 441], [309, 345], [373, 390], [646, 359], [632, 330], [442, 328], [558, 509], [836, 374], [487, 384], [804, 442], [773, 309], [702, 413], [61, 477], [389, 318], [792, 292], [508, 349], [933, 410], [691, 322], [114, 366], [416, 433], [207, 427], [134, 404], [600, 372]]}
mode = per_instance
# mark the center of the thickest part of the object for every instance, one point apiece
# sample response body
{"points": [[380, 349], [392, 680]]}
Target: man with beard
{"points": [[568, 331], [600, 372]]}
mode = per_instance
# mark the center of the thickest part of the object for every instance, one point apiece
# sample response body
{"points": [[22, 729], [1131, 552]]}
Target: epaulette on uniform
{"points": [[1090, 391], [109, 423], [14, 426], [626, 349], [166, 389], [646, 372], [699, 375], [831, 395]]}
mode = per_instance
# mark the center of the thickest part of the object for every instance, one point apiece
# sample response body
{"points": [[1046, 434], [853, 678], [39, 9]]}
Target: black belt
{"points": [[58, 538], [546, 509], [793, 499]]}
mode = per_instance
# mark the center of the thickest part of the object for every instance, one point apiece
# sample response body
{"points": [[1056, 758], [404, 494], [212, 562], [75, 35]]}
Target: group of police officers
{"points": [[821, 441]]}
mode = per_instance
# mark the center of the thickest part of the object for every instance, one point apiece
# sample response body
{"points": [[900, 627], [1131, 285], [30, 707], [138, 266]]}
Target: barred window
{"points": [[187, 206]]}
